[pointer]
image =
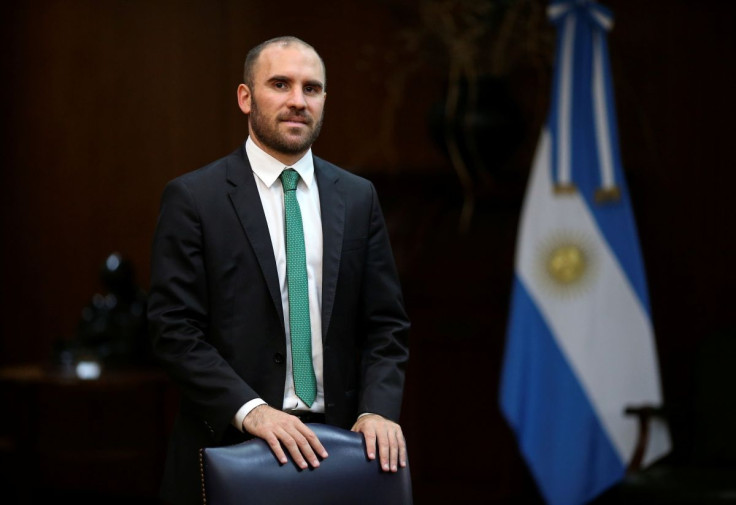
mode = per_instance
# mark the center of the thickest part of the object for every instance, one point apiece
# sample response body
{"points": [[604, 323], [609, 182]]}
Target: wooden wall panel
{"points": [[105, 101]]}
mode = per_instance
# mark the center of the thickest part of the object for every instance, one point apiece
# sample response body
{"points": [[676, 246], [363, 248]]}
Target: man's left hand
{"points": [[387, 436]]}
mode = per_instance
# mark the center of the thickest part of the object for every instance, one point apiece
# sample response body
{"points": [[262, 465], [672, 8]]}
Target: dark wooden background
{"points": [[105, 101]]}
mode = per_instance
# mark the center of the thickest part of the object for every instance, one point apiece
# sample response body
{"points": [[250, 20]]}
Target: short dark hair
{"points": [[252, 57]]}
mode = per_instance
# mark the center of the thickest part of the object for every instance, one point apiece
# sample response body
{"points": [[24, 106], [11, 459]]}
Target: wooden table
{"points": [[62, 436]]}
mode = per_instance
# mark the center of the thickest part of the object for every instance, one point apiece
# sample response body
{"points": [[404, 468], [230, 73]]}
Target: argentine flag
{"points": [[580, 346]]}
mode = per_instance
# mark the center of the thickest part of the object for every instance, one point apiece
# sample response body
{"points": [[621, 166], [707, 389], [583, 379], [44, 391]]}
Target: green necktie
{"points": [[305, 383]]}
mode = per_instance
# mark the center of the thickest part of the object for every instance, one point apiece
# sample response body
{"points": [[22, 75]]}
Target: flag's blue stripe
{"points": [[558, 432]]}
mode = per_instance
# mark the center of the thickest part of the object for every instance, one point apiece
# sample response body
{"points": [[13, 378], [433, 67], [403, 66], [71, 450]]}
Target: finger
{"points": [[273, 443], [314, 442], [306, 450], [292, 447], [384, 448], [295, 454], [393, 449], [370, 444], [402, 450]]}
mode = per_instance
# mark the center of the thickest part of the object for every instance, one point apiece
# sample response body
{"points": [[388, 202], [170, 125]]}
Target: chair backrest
{"points": [[249, 474]]}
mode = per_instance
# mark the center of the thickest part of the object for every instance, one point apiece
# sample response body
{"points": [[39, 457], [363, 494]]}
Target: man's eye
{"points": [[280, 85]]}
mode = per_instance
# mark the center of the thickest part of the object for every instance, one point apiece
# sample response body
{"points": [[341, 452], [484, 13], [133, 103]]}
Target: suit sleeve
{"points": [[385, 349], [178, 314]]}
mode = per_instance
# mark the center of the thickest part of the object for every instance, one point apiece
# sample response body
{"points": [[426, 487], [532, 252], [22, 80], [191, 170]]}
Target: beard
{"points": [[266, 130]]}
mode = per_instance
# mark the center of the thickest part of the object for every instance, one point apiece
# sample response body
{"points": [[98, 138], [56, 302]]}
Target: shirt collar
{"points": [[268, 169]]}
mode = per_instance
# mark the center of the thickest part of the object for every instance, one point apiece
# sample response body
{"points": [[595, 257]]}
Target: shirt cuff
{"points": [[244, 411]]}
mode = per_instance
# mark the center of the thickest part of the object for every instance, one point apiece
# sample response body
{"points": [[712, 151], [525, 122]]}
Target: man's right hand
{"points": [[279, 429]]}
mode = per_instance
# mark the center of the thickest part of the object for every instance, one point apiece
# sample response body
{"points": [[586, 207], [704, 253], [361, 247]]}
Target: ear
{"points": [[244, 97]]}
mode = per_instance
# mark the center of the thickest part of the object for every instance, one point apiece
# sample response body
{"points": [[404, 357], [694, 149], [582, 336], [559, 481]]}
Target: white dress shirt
{"points": [[266, 171]]}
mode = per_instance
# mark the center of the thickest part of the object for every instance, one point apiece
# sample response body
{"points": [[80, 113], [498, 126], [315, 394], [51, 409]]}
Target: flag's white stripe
{"points": [[604, 20], [564, 102], [554, 11], [603, 332], [602, 132]]}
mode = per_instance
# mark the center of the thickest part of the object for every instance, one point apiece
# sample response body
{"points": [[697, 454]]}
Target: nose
{"points": [[297, 99]]}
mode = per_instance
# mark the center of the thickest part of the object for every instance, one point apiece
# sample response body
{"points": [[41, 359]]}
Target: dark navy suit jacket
{"points": [[217, 321]]}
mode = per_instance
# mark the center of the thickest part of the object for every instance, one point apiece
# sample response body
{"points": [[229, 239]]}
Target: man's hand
{"points": [[278, 428], [380, 431]]}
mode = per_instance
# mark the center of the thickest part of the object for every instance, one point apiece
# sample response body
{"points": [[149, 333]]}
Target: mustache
{"points": [[296, 115]]}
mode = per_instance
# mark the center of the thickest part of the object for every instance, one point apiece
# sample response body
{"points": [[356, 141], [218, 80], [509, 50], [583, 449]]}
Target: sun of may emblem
{"points": [[567, 263]]}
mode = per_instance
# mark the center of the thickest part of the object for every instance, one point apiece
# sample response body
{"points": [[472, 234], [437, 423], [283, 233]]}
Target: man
{"points": [[220, 306]]}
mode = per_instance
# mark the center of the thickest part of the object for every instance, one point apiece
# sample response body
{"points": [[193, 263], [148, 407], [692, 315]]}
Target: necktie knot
{"points": [[289, 179]]}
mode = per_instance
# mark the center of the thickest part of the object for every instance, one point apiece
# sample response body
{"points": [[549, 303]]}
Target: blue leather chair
{"points": [[249, 474]]}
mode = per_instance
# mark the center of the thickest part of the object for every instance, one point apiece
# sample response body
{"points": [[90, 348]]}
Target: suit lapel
{"points": [[247, 203], [332, 208]]}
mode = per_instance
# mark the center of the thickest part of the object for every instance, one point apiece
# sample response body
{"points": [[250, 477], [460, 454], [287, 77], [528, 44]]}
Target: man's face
{"points": [[286, 103]]}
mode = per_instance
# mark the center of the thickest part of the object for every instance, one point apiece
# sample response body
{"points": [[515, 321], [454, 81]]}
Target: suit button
{"points": [[278, 358]]}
